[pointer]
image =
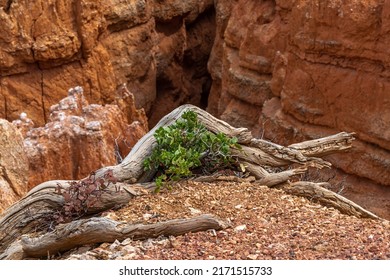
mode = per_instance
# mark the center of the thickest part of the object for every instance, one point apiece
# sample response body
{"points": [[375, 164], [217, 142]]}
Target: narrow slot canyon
{"points": [[182, 52]]}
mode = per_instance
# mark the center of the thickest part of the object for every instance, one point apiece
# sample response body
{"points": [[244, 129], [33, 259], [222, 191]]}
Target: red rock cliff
{"points": [[289, 70], [293, 70], [159, 48]]}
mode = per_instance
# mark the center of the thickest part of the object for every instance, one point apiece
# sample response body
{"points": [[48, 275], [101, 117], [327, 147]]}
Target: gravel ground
{"points": [[266, 223]]}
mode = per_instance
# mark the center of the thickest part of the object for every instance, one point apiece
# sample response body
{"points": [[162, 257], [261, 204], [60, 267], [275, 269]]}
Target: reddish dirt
{"points": [[266, 223]]}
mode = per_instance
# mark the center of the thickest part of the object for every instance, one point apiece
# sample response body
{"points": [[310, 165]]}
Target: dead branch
{"points": [[33, 212], [99, 230], [317, 192], [324, 146]]}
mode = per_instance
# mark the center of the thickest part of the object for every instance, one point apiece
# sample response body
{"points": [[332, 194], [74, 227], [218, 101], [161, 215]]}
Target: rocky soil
{"points": [[266, 223]]}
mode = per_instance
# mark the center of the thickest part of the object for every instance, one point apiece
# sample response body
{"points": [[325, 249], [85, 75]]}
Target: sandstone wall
{"points": [[156, 51], [77, 139], [81, 137], [48, 46], [289, 70], [13, 165], [293, 70]]}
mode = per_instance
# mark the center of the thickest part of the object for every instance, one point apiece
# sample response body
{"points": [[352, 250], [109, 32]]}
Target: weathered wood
{"points": [[262, 152], [277, 178], [317, 192], [131, 168], [13, 252], [33, 212], [99, 230], [324, 146], [288, 155], [256, 151], [29, 214], [216, 178]]}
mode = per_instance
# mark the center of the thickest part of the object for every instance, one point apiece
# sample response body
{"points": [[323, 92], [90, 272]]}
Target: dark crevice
{"points": [[171, 27], [204, 98], [75, 144], [9, 181], [198, 66], [77, 15], [43, 98], [185, 77], [120, 27], [7, 7], [39, 69], [207, 13], [41, 86], [5, 104]]}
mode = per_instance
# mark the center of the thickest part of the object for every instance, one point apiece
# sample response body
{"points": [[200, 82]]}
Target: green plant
{"points": [[81, 195], [186, 147]]}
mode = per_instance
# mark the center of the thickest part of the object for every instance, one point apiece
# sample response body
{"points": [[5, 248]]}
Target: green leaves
{"points": [[187, 145]]}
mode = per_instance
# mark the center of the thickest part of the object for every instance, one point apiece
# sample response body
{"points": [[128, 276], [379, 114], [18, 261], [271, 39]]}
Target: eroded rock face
{"points": [[13, 165], [48, 46], [157, 49], [82, 137], [185, 32], [45, 47], [289, 70], [295, 70]]}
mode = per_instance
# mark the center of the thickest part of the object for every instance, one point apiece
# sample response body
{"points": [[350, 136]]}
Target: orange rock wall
{"points": [[156, 51], [289, 70], [49, 46], [295, 70], [80, 138], [77, 139], [13, 165]]}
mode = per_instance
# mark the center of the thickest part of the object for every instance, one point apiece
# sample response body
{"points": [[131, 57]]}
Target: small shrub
{"points": [[82, 195], [187, 146]]}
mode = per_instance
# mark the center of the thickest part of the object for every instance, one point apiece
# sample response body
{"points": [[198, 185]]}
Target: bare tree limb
{"points": [[324, 146], [99, 230], [317, 192]]}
